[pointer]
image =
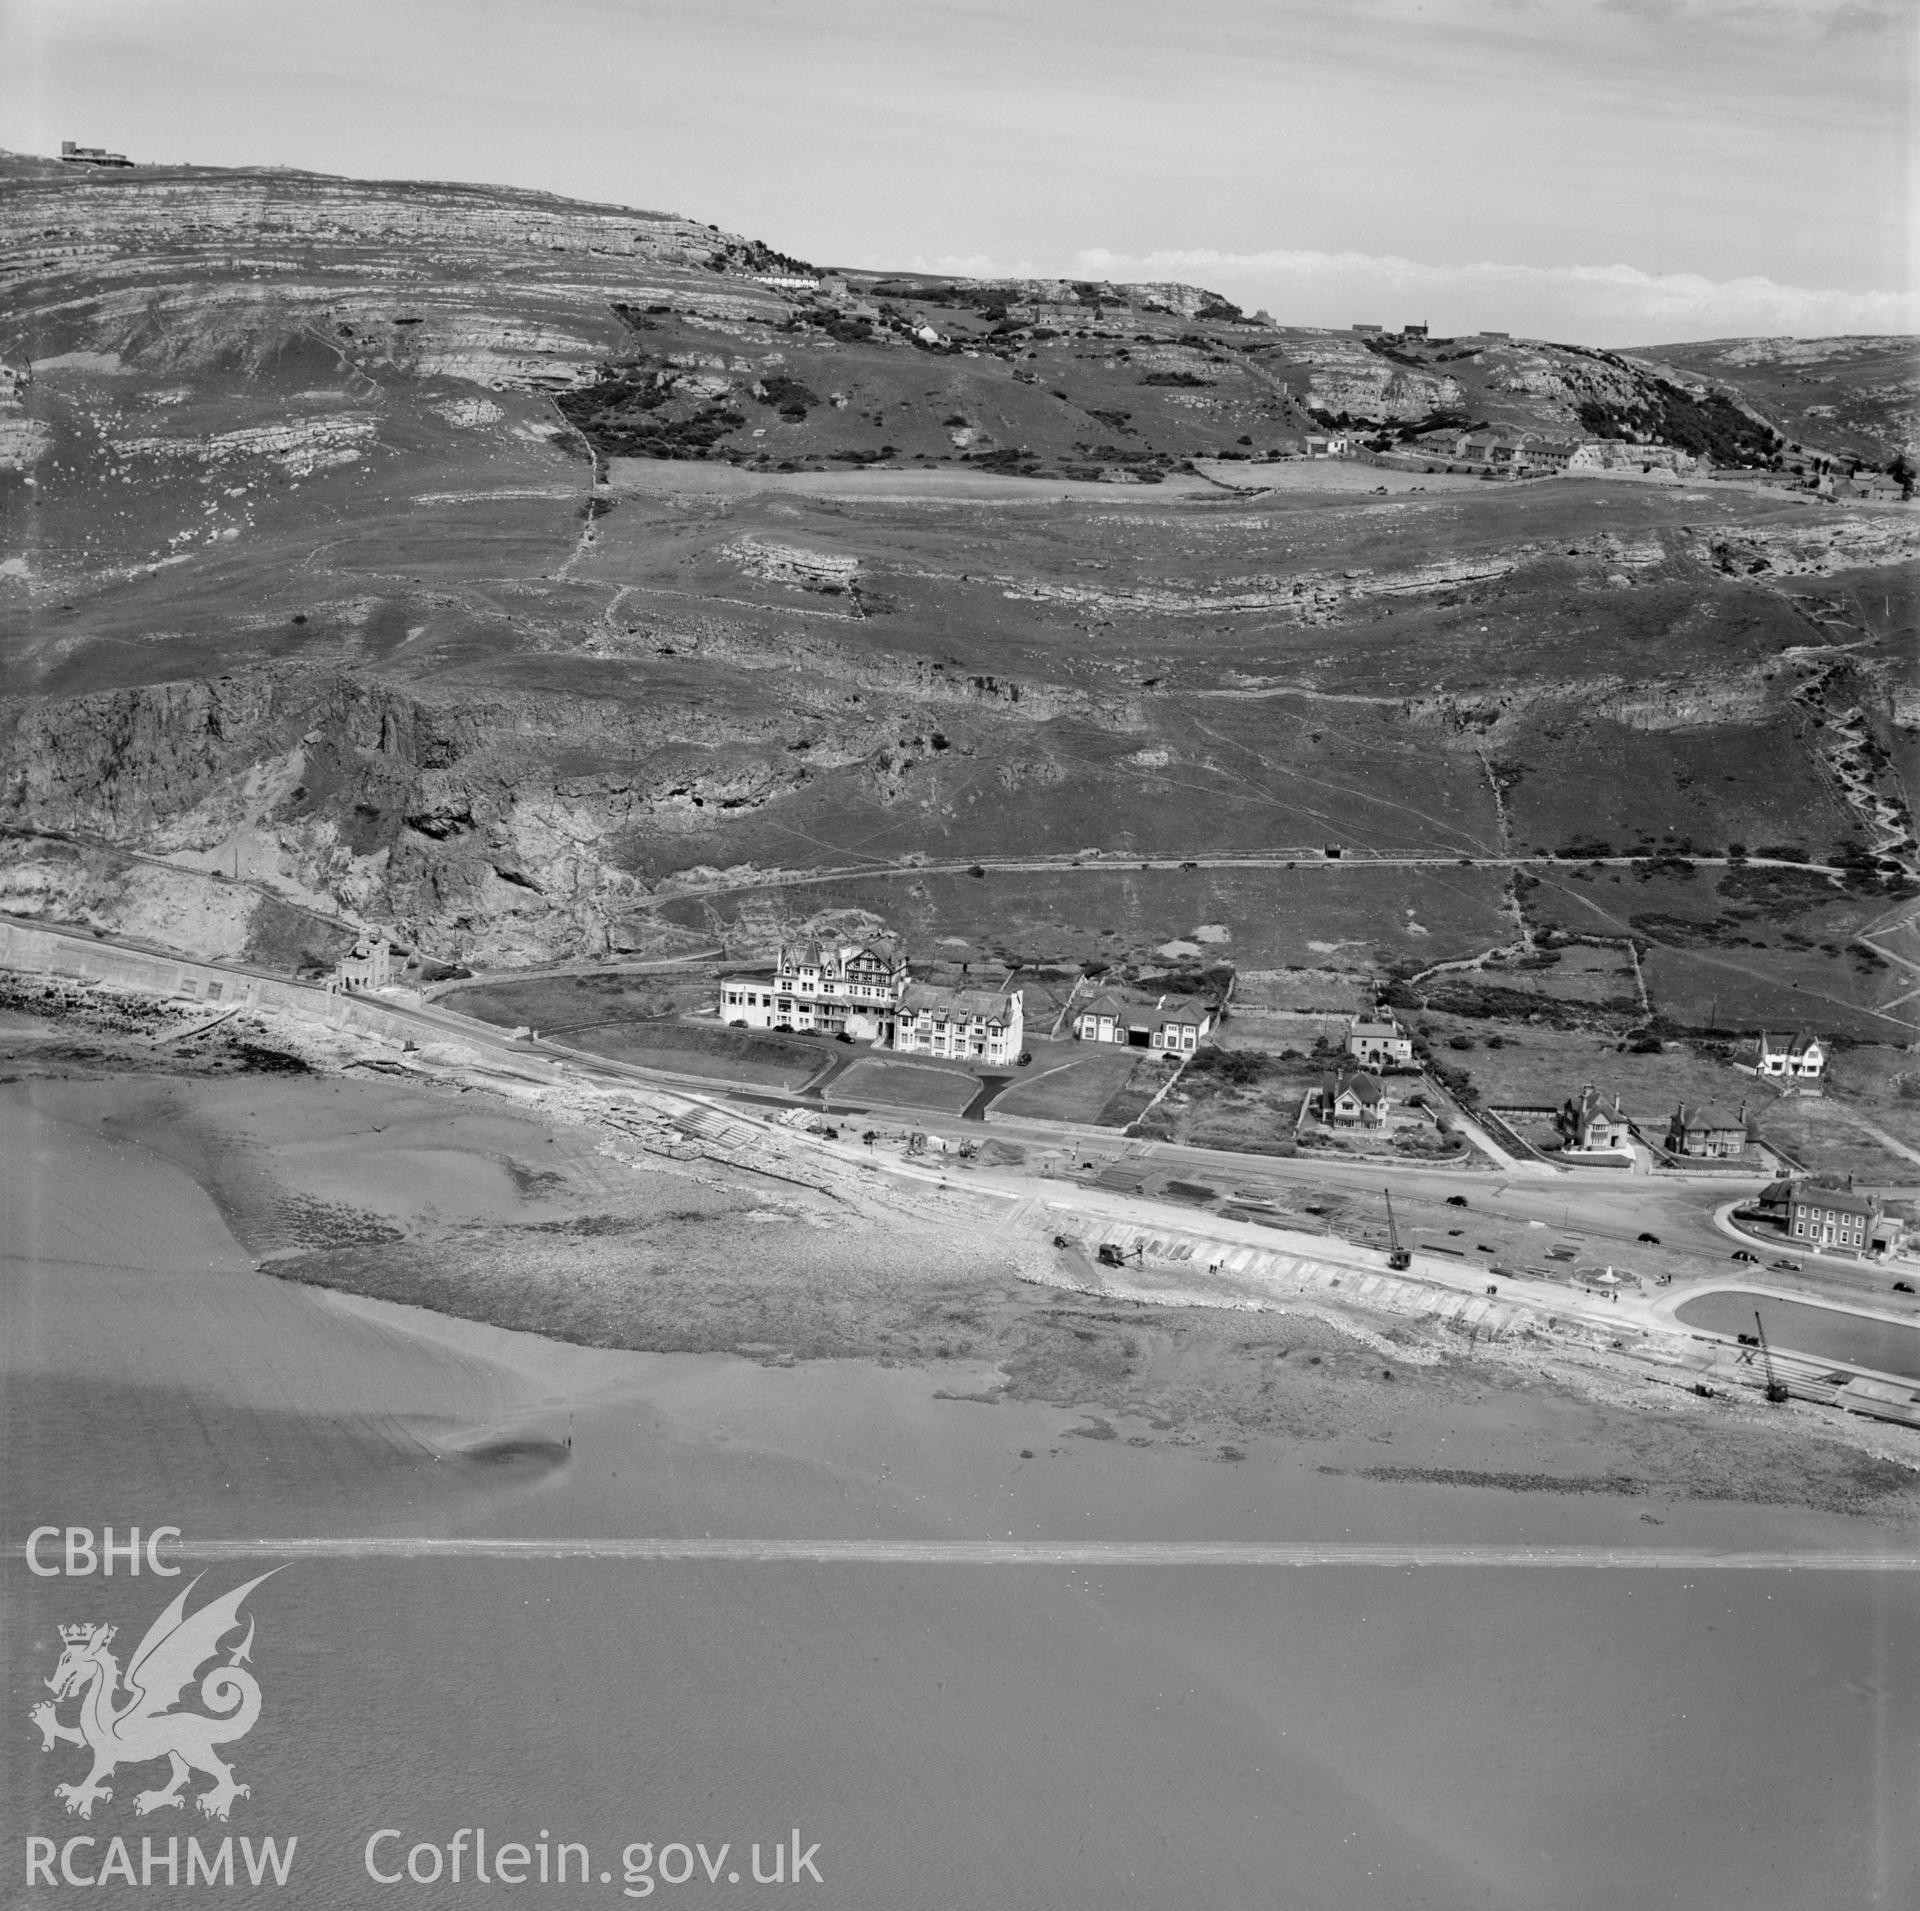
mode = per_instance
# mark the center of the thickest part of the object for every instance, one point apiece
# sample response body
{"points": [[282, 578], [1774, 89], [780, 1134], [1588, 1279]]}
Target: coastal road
{"points": [[1600, 1214]]}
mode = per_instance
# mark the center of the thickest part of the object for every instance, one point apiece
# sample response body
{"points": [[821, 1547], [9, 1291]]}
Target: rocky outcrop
{"points": [[1815, 549], [299, 446], [63, 217]]}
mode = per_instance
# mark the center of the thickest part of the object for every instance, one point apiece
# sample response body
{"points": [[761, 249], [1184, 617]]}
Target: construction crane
{"points": [[1397, 1256], [1776, 1388]]}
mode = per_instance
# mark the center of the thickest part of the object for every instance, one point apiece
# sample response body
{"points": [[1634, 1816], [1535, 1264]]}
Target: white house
{"points": [[369, 965], [1376, 1041], [983, 1025], [848, 988], [1175, 1023], [1799, 1058]]}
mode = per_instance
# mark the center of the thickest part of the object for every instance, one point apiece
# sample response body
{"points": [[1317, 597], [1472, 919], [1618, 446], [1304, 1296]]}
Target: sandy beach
{"points": [[1010, 1734]]}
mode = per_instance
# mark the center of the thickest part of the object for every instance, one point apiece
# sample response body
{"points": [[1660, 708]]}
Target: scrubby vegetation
{"points": [[1712, 427]]}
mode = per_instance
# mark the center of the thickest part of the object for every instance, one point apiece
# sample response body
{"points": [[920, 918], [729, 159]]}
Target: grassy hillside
{"points": [[518, 572]]}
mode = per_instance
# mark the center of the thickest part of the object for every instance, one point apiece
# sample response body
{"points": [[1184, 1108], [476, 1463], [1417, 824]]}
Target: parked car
{"points": [[1903, 1287], [1026, 1055], [1456, 1200], [1741, 1254], [1650, 1240], [1785, 1266]]}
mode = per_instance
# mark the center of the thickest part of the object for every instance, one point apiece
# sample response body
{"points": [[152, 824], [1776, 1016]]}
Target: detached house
{"points": [[1594, 1127], [1833, 1219], [1707, 1131], [1352, 1101], [959, 1024], [369, 965], [1175, 1023], [845, 988], [1377, 1042], [1799, 1058]]}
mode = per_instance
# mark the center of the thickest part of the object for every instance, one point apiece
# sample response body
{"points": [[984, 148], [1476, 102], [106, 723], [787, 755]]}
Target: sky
{"points": [[1601, 171]]}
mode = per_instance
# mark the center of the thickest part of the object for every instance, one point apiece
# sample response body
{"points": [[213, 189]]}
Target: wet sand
{"points": [[1343, 1738]]}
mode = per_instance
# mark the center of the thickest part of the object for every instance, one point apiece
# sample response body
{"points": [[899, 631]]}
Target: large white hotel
{"points": [[861, 991]]}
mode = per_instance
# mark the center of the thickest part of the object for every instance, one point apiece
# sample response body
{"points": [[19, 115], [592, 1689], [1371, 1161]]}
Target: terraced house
{"points": [[848, 988], [984, 1025]]}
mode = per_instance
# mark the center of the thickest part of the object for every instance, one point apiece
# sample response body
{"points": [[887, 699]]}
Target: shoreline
{"points": [[431, 1192]]}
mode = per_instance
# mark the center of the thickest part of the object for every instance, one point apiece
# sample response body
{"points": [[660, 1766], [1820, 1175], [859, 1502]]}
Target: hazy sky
{"points": [[1619, 171]]}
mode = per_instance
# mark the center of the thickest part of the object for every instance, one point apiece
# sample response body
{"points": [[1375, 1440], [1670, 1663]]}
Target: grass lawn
{"points": [[765, 1061], [1076, 1087], [906, 1084], [555, 1004]]}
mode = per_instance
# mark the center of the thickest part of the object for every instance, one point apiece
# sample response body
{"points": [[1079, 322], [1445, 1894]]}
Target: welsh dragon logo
{"points": [[138, 1725]]}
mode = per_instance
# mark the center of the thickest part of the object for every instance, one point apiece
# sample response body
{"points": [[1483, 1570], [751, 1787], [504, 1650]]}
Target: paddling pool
{"points": [[1803, 1327]]}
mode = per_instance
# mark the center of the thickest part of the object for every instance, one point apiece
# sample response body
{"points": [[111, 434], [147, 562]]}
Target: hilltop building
{"points": [[1799, 1058], [984, 1025], [74, 155], [847, 988], [1706, 1131], [1378, 1041], [1175, 1023]]}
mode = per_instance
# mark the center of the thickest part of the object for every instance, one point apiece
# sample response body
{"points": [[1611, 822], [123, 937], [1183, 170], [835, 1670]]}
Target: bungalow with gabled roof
{"points": [[1176, 1024]]}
